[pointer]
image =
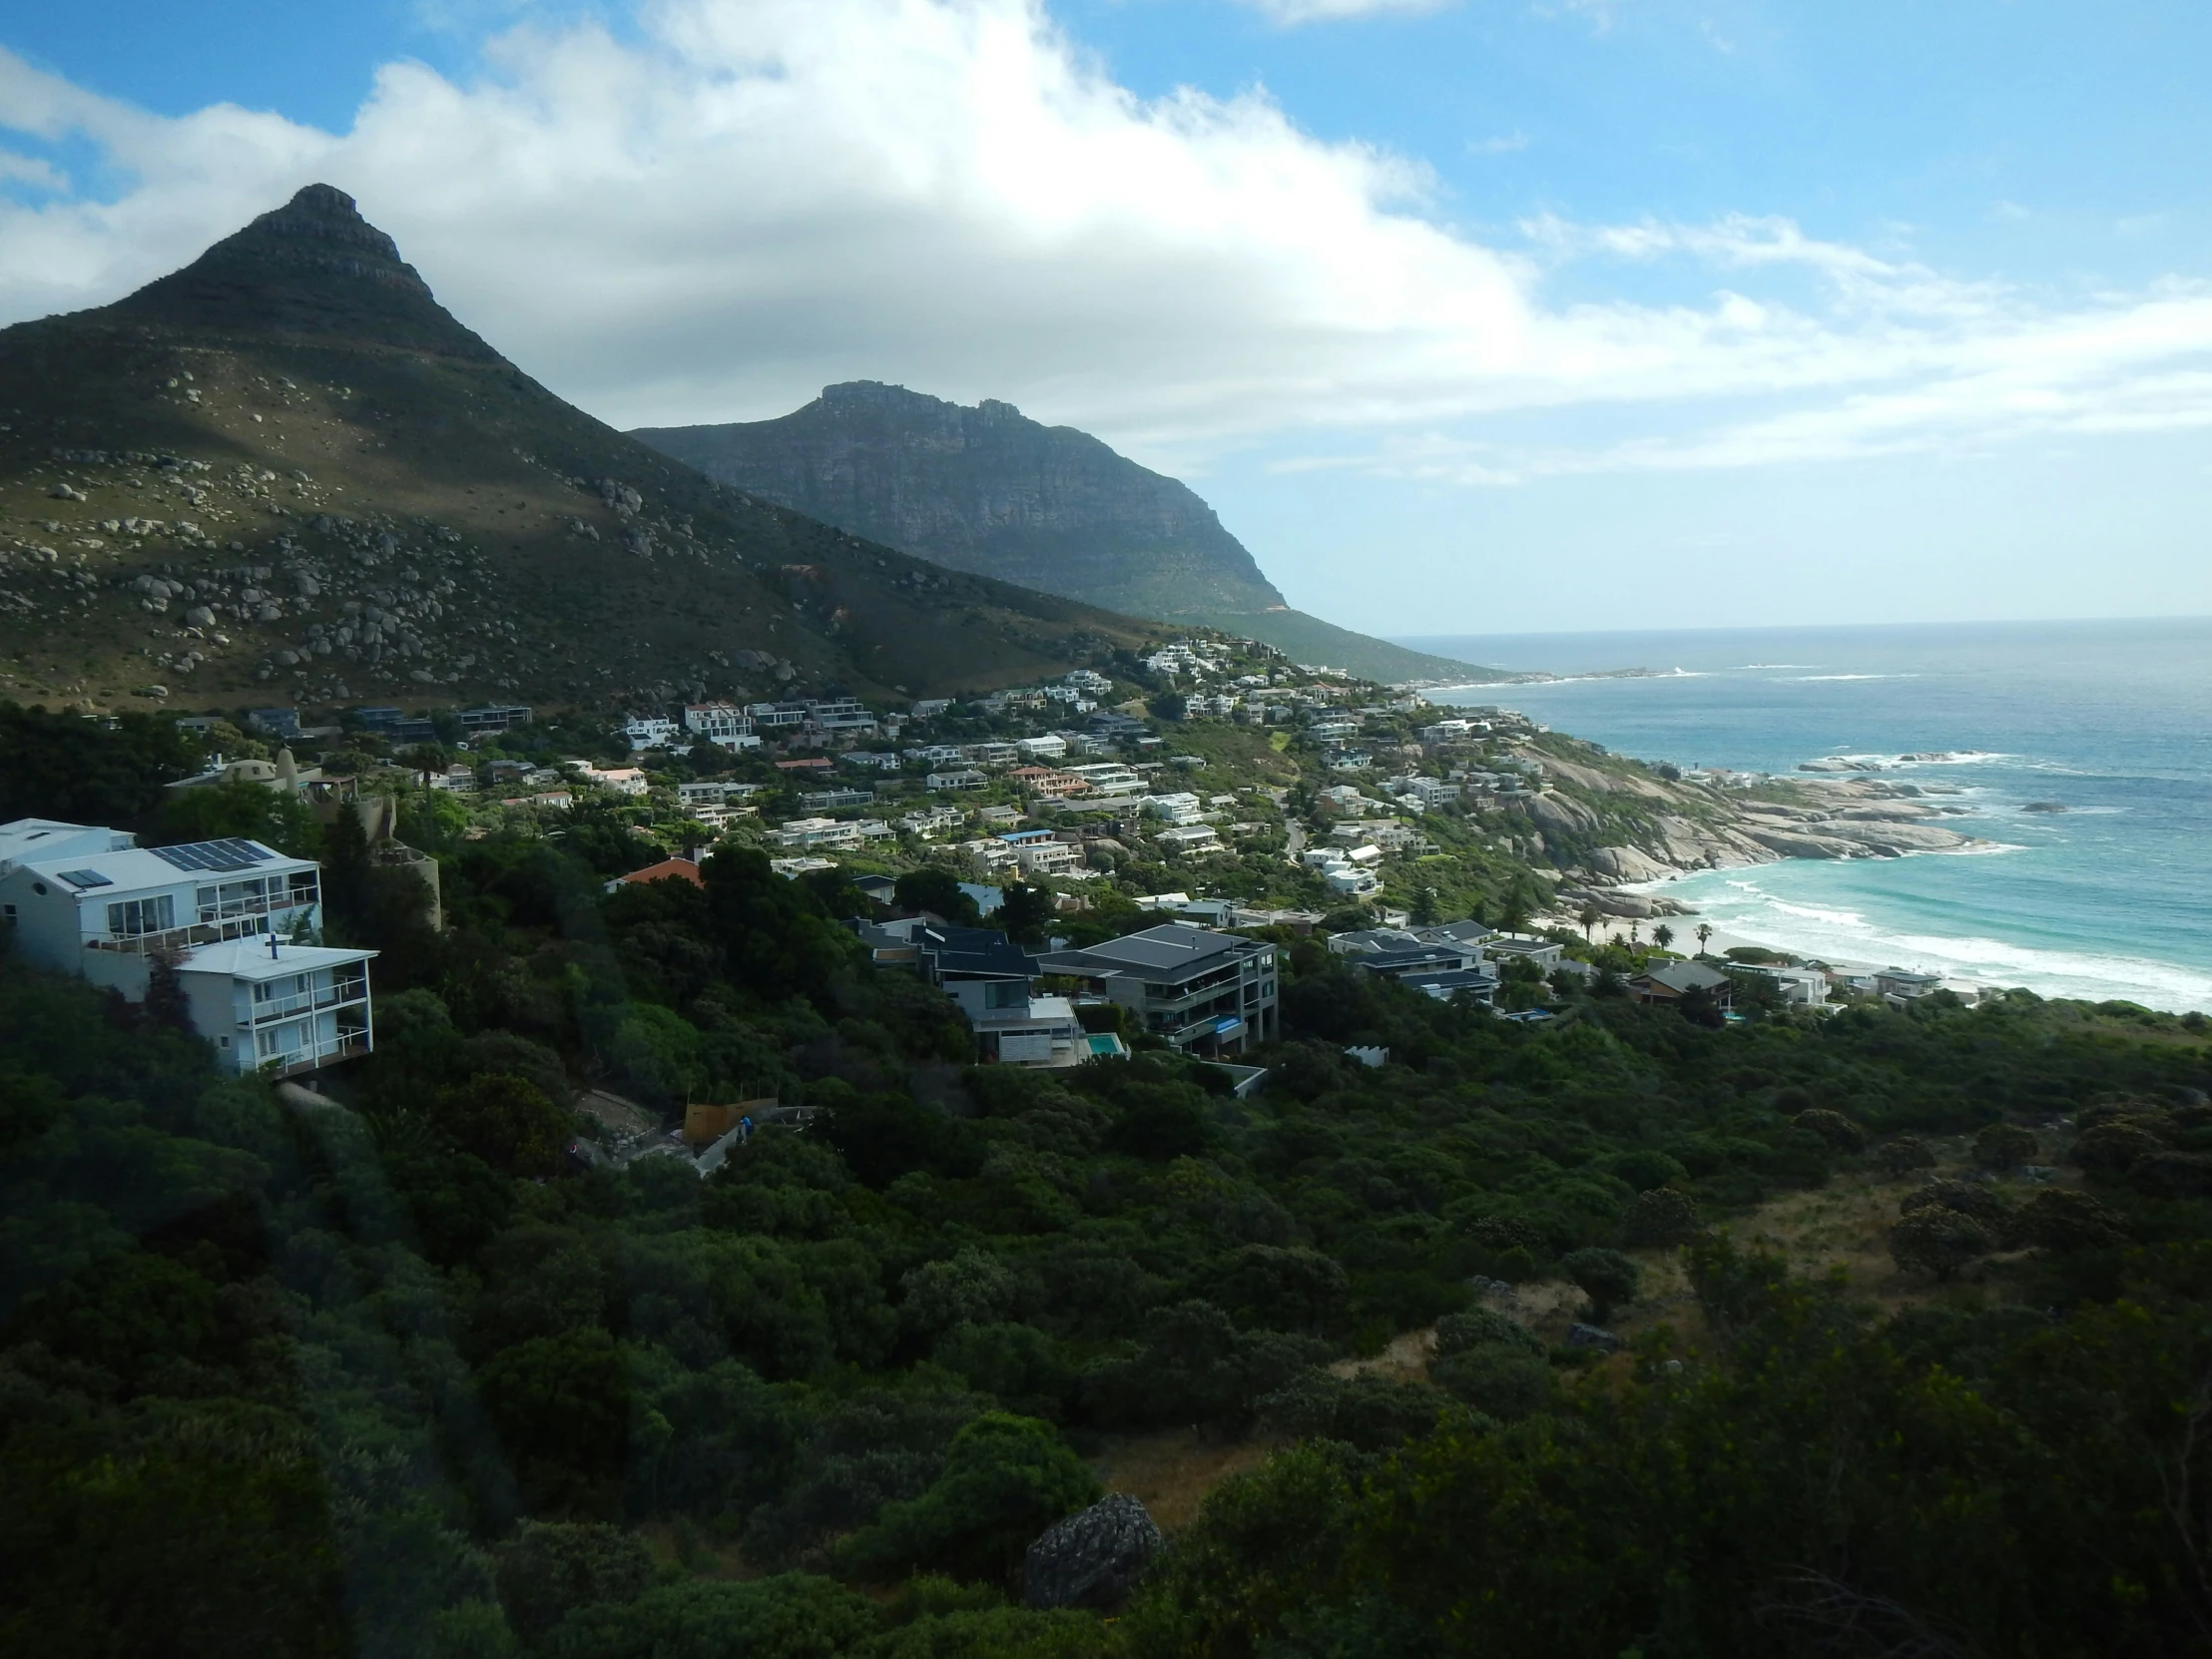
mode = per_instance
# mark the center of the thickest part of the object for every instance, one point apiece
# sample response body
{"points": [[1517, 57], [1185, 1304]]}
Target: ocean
{"points": [[2109, 896]]}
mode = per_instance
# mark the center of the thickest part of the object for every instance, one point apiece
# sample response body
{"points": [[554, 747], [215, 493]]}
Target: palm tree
{"points": [[426, 760], [1591, 915], [1662, 935], [1704, 932], [1635, 932]]}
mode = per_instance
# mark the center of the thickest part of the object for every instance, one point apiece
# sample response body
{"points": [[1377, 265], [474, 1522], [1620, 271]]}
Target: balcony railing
{"points": [[318, 997], [350, 1045], [181, 940]]}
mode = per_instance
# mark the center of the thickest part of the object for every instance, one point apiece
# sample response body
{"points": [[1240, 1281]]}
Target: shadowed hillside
{"points": [[286, 471]]}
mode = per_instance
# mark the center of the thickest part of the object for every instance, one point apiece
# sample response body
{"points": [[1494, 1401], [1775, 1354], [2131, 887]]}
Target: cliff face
{"points": [[989, 491]]}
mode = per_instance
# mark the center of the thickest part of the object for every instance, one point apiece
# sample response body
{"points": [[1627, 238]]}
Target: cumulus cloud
{"points": [[710, 216]]}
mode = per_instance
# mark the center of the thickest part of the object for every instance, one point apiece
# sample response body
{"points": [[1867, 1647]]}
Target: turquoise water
{"points": [[2113, 721]]}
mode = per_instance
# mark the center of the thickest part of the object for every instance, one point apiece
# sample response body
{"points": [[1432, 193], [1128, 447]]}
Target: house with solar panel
{"points": [[93, 902]]}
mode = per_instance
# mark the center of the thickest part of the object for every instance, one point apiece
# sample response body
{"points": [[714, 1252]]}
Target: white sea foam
{"points": [[1851, 937], [1820, 679]]}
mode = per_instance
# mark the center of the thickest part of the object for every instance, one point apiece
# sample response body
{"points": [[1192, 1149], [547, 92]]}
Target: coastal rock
{"points": [[1887, 812], [1559, 814], [1627, 863], [1797, 844], [1092, 1559], [1898, 837]]}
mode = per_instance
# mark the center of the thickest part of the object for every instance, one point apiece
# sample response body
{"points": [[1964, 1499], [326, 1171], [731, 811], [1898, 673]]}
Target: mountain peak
{"points": [[313, 266]]}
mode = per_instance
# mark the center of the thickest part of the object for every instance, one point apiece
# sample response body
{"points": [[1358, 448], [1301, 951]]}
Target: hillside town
{"points": [[1079, 866]]}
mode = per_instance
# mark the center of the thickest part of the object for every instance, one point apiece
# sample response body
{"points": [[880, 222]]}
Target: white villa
{"points": [[91, 901]]}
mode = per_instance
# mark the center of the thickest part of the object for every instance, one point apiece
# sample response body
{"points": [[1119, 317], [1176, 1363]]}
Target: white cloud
{"points": [[1503, 145], [710, 218], [1294, 12]]}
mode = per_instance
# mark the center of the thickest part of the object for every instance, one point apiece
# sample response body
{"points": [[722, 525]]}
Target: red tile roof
{"points": [[682, 868]]}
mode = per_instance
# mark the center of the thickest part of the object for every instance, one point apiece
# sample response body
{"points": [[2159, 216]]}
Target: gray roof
{"points": [[1173, 949], [1686, 976]]}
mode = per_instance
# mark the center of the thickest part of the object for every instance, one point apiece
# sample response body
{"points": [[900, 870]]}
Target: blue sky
{"points": [[1489, 316]]}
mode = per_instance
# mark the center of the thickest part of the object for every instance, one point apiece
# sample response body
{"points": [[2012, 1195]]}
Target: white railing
{"points": [[345, 1046], [321, 996]]}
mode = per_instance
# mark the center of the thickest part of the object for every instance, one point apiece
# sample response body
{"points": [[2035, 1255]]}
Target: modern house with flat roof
{"points": [[1207, 993], [993, 979], [90, 902]]}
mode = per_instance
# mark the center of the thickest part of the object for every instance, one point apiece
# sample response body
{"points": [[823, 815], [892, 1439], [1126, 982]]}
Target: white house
{"points": [[652, 732], [629, 781], [88, 902], [962, 779], [700, 794], [1180, 807], [1190, 838], [722, 724], [1052, 747], [1048, 857], [930, 821]]}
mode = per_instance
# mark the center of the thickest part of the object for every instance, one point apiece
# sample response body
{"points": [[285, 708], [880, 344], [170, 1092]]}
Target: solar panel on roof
{"points": [[214, 856], [84, 879]]}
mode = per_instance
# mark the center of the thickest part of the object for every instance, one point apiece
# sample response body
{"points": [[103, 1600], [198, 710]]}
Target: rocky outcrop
{"points": [[1627, 863], [1092, 1559]]}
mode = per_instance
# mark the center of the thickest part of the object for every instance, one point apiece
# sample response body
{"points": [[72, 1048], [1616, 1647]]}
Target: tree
{"points": [[938, 891], [1424, 912], [1498, 1380], [1662, 935], [239, 811], [1589, 918], [1513, 917], [1902, 1155], [2057, 1219], [1006, 1479], [426, 760], [506, 1121], [1938, 1241], [165, 1003], [1704, 935], [1837, 1130], [1606, 1277], [549, 1569], [1635, 932], [2004, 1146], [1661, 1216], [1024, 909]]}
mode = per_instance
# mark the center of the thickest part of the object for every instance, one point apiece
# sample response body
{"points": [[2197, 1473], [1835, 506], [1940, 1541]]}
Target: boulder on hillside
{"points": [[1094, 1559], [1628, 863]]}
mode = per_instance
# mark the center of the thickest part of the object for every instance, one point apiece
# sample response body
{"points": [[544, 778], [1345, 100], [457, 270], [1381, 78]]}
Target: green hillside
{"points": [[285, 472]]}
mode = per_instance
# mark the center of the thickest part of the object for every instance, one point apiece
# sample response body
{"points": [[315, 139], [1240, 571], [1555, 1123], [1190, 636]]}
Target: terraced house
{"points": [[91, 901]]}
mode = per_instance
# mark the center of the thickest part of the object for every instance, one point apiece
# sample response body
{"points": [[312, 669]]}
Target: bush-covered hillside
{"points": [[397, 1375]]}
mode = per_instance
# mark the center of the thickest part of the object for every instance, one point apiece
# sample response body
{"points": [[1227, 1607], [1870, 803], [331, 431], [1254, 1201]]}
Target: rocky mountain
{"points": [[286, 471], [988, 490]]}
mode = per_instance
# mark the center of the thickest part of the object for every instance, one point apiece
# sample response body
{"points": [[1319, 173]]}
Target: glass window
{"points": [[134, 917]]}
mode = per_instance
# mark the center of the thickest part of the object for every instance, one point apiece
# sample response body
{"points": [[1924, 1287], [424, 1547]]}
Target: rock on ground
{"points": [[1092, 1559]]}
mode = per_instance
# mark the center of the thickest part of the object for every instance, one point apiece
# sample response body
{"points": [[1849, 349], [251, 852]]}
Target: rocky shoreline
{"points": [[1670, 829]]}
